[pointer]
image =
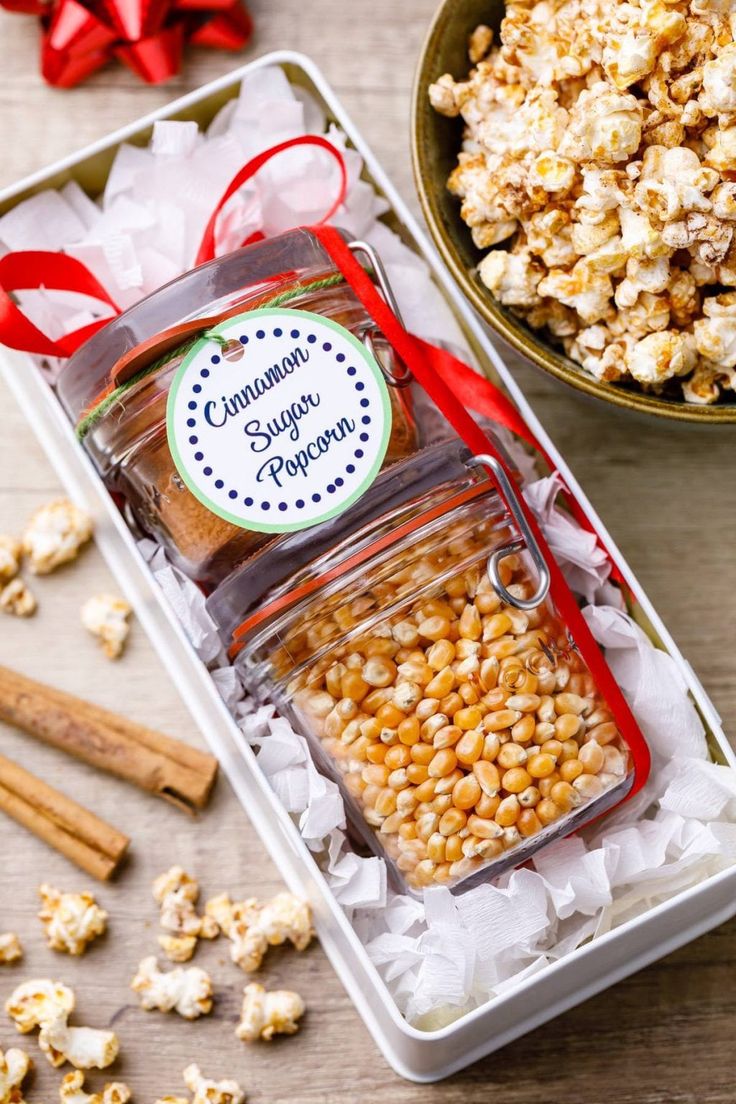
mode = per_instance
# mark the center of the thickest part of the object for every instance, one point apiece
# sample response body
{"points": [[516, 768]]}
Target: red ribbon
{"points": [[206, 250], [35, 269], [80, 36], [423, 360]]}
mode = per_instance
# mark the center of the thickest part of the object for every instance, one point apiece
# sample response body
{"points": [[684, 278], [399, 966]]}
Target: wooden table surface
{"points": [[666, 493]]}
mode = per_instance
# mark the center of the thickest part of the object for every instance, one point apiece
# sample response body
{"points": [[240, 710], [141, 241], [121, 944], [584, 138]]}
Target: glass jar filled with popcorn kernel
{"points": [[434, 680], [118, 391]]}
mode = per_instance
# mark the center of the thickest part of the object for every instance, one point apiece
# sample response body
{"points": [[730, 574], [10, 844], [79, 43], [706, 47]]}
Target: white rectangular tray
{"points": [[417, 1055]]}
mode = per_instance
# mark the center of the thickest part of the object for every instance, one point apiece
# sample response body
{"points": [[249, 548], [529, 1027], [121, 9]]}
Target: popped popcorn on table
{"points": [[598, 155], [17, 599], [252, 926], [10, 555], [83, 1047], [10, 949], [177, 893], [14, 1068], [71, 920], [45, 1004], [205, 1091], [36, 1002], [71, 1091], [54, 535], [186, 991], [106, 617], [268, 1013]]}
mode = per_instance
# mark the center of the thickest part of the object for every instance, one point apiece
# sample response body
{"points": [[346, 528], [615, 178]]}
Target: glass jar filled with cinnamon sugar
{"points": [[288, 310], [432, 675]]}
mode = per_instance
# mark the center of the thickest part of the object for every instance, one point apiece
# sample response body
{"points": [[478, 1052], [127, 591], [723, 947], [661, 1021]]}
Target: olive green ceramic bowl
{"points": [[436, 141]]}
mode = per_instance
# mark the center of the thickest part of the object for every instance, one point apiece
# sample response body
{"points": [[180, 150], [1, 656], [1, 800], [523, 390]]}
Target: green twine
{"points": [[92, 416]]}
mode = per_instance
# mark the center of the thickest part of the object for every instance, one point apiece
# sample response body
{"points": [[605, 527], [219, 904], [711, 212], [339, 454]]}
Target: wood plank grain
{"points": [[668, 496]]}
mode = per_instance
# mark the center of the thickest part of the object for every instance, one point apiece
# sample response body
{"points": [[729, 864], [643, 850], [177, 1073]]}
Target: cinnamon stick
{"points": [[152, 761], [90, 843]]}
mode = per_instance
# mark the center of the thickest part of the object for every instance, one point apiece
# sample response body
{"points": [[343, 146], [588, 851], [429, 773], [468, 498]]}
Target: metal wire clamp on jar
{"points": [[115, 387], [433, 680]]}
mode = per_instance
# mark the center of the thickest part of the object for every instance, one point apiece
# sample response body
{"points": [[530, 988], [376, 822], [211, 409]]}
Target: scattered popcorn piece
{"points": [[253, 926], [177, 894], [106, 617], [47, 1004], [54, 535], [14, 1067], [178, 948], [205, 1091], [71, 1091], [17, 599], [265, 1014], [71, 920], [83, 1047], [10, 553], [36, 1002], [10, 949], [188, 992]]}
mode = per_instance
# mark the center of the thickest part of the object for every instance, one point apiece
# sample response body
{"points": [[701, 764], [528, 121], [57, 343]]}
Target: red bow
{"points": [[80, 36]]}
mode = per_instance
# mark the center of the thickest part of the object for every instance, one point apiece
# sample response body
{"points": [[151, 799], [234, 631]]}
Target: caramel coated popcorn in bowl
{"points": [[593, 165]]}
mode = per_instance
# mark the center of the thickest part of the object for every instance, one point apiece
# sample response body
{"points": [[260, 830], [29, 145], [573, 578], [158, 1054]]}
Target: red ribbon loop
{"points": [[206, 250], [34, 270]]}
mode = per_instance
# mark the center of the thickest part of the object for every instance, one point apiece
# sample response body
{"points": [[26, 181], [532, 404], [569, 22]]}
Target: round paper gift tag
{"points": [[278, 419]]}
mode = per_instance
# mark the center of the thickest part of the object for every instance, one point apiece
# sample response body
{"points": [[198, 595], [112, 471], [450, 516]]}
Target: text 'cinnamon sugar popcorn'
{"points": [[599, 158]]}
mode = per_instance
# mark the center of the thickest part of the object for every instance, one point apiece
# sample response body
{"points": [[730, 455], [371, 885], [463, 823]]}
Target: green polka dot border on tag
{"points": [[219, 472]]}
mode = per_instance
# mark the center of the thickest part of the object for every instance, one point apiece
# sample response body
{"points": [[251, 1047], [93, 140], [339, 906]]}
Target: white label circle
{"points": [[287, 435]]}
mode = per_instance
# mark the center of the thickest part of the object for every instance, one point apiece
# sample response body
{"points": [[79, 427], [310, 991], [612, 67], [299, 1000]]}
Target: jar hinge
{"points": [[527, 541], [403, 378]]}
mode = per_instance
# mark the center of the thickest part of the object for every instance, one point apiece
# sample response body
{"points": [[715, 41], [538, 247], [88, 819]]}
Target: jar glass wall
{"points": [[126, 433], [464, 733]]}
